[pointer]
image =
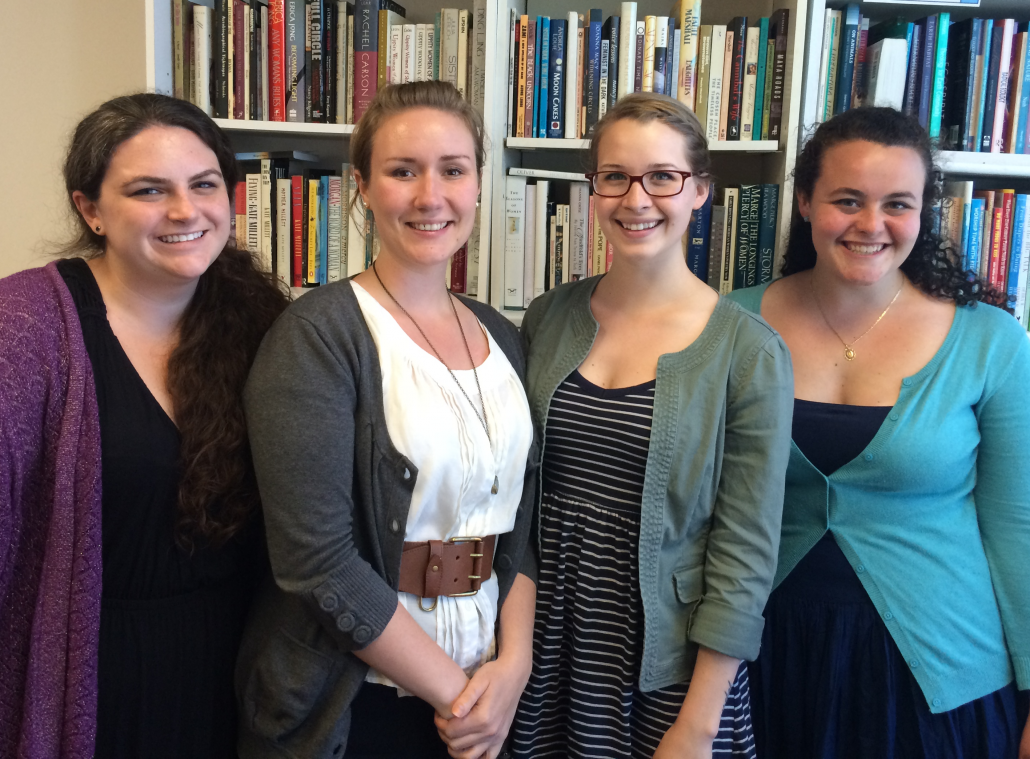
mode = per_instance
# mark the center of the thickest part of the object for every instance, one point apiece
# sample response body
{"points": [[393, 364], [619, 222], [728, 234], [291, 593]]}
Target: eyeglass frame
{"points": [[640, 178]]}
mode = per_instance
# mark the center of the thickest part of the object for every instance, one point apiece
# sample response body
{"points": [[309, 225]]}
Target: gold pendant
{"points": [[493, 490], [849, 353]]}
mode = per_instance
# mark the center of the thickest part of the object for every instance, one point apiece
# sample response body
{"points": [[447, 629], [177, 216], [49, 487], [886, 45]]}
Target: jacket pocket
{"points": [[689, 583], [284, 686]]}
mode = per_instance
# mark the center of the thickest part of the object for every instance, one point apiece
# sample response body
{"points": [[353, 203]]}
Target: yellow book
{"points": [[647, 79], [312, 230], [727, 70], [520, 112], [599, 244], [686, 78]]}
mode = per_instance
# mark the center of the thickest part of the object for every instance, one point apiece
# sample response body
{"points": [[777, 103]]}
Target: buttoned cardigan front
{"points": [[934, 514], [713, 484]]}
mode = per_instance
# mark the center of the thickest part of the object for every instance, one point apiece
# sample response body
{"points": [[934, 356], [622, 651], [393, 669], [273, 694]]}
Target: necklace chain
{"points": [[450, 299], [849, 351]]}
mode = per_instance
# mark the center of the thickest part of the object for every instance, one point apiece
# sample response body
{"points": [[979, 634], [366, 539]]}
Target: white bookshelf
{"points": [[718, 146], [286, 128], [984, 164]]}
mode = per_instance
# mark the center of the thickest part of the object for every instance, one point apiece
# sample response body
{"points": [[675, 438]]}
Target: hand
{"points": [[685, 741], [485, 709], [1024, 745]]}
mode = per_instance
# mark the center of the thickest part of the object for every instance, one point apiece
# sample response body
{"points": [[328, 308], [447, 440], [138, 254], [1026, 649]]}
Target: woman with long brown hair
{"points": [[123, 445]]}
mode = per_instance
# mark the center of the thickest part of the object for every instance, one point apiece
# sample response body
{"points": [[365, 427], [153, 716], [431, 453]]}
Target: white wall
{"points": [[59, 59]]}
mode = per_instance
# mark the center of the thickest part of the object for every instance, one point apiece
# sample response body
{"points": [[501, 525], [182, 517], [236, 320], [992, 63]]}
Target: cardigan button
{"points": [[345, 622], [504, 561], [869, 457], [914, 663], [936, 702], [362, 634], [407, 473], [888, 616], [328, 602], [894, 416], [860, 568], [395, 526], [907, 381]]}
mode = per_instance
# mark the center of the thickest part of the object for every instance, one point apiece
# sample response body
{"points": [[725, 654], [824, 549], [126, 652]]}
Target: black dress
{"points": [[170, 620]]}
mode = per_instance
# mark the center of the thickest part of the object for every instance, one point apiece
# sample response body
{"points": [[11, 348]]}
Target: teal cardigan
{"points": [[934, 515], [713, 486]]}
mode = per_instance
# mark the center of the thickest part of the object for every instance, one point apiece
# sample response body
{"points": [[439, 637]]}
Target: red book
{"points": [[609, 251], [366, 55], [239, 82], [1008, 200], [858, 80], [276, 59], [459, 266], [736, 83], [297, 198], [239, 220]]}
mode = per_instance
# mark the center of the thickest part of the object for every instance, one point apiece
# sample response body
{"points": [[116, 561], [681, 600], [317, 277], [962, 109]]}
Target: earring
{"points": [[803, 218], [98, 228]]}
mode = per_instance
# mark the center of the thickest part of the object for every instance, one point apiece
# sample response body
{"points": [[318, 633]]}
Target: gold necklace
{"points": [[849, 351], [482, 418]]}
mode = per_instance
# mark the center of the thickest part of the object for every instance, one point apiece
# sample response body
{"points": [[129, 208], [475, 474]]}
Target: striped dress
{"points": [[582, 698]]}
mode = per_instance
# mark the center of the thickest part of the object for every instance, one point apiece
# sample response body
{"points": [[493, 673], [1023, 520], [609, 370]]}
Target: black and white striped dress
{"points": [[582, 698]]}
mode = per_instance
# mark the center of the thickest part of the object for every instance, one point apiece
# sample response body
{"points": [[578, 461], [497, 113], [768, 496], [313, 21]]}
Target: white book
{"points": [[472, 261], [627, 48], [396, 72], [334, 217], [449, 45], [519, 171], [247, 14], [283, 228], [514, 240], [512, 24], [266, 213], [747, 116], [686, 70], [478, 56], [572, 77], [715, 80], [529, 263], [888, 64], [579, 216], [602, 88], [355, 228], [824, 64], [543, 187], [1000, 111], [408, 54], [265, 114], [421, 58], [202, 57], [254, 215], [341, 61], [1024, 268], [430, 47], [463, 53]]}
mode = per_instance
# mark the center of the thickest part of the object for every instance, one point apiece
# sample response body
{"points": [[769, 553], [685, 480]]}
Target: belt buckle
{"points": [[479, 555]]}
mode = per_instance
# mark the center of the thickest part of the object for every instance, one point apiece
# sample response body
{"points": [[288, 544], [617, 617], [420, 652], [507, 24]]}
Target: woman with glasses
{"points": [[665, 413]]}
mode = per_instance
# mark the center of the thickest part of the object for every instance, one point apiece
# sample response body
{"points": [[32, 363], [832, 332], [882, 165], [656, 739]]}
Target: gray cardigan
{"points": [[713, 485], [335, 494]]}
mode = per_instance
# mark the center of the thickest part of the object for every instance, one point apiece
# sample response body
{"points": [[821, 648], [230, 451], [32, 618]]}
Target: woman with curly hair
{"points": [[898, 622], [128, 544]]}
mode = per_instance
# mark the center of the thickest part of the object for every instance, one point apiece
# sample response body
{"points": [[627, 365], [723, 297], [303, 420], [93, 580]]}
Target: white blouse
{"points": [[433, 424]]}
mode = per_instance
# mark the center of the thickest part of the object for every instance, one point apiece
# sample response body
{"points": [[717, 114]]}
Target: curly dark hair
{"points": [[931, 266], [233, 306]]}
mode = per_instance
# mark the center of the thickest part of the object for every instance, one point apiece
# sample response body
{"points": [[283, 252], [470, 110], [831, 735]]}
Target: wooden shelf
{"points": [[985, 164], [719, 146], [286, 128]]}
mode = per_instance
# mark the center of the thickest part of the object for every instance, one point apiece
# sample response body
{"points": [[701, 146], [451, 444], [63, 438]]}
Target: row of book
{"points": [[990, 232], [305, 228], [552, 235], [968, 82], [565, 73], [318, 61]]}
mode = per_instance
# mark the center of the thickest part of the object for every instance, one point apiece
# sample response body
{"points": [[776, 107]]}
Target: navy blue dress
{"points": [[830, 683]]}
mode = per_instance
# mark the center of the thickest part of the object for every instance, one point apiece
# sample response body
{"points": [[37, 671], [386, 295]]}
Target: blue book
{"points": [[915, 54], [1024, 106], [543, 77], [698, 235], [322, 236], [592, 75], [535, 84], [556, 82], [976, 221], [848, 50], [613, 59], [926, 70], [990, 42], [1015, 248], [763, 40], [939, 69], [770, 207], [965, 229]]}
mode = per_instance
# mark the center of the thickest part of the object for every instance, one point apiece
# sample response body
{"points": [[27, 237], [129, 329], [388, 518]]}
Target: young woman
{"points": [[391, 434], [665, 410], [123, 445], [898, 628]]}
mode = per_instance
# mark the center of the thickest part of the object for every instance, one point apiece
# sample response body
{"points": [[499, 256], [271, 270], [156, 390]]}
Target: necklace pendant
{"points": [[849, 353], [496, 485]]}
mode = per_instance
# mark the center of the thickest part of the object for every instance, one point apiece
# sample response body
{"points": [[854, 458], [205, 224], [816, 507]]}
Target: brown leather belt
{"points": [[455, 567]]}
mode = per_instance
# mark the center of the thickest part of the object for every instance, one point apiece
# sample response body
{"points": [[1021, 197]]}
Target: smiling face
{"points": [[163, 208], [638, 225], [864, 209], [422, 185]]}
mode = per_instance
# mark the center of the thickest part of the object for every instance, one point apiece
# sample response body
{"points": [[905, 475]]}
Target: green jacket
{"points": [[713, 488]]}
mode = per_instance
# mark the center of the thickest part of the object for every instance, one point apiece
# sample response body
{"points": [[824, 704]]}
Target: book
{"points": [[334, 240], [556, 89], [833, 64], [745, 270], [293, 61], [265, 207], [520, 66], [763, 41], [1016, 85], [846, 57], [520, 171], [912, 78], [253, 226], [532, 64], [540, 244], [738, 26], [463, 50], [770, 57], [572, 56], [961, 65], [939, 73], [366, 55], [579, 202], [829, 27], [513, 74], [926, 67], [544, 85], [716, 245], [698, 234], [603, 79], [529, 245], [592, 85], [747, 114], [704, 66], [283, 237], [514, 241], [478, 77], [650, 38], [182, 24], [779, 21], [686, 82], [297, 224], [355, 227], [732, 203], [202, 58], [727, 72], [1007, 32], [1023, 124], [858, 85], [715, 72], [221, 54], [887, 64], [770, 196], [971, 258], [1015, 236], [627, 48], [992, 70], [240, 218], [638, 65], [983, 64], [612, 31]]}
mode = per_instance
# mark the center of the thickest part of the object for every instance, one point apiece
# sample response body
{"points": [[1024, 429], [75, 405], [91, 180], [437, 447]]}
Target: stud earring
{"points": [[803, 218], [98, 228]]}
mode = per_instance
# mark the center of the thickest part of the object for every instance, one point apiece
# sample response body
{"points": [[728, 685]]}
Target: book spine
{"points": [[638, 57], [730, 243], [179, 21], [763, 41], [540, 242], [351, 31], [572, 76], [202, 57], [1019, 46], [322, 232], [717, 238], [220, 54], [312, 276], [824, 65], [614, 51], [747, 106], [263, 65], [296, 224], [971, 261], [366, 45], [510, 127], [603, 79], [394, 50], [409, 54], [915, 54], [1007, 203], [627, 48], [254, 215], [463, 49], [992, 68], [544, 85], [479, 56], [520, 65], [833, 67], [342, 61], [704, 63], [334, 263], [1001, 98], [420, 52], [316, 72], [661, 48], [556, 90], [532, 63], [449, 46], [1018, 216], [753, 211], [770, 57], [1024, 100], [529, 249], [647, 78], [592, 87], [767, 232], [741, 264], [926, 66], [597, 242], [983, 65], [939, 71], [514, 241], [239, 220], [355, 229], [276, 54], [727, 74], [1024, 265], [579, 204], [848, 50], [686, 75], [781, 20], [698, 239], [736, 79], [715, 70], [265, 212], [859, 80], [437, 41], [995, 247]]}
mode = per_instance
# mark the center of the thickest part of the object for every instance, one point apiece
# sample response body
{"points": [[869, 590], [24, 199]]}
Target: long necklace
{"points": [[481, 417], [849, 350]]}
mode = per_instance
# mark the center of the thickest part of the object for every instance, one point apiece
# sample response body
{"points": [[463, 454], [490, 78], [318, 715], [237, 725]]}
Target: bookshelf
{"points": [[756, 162]]}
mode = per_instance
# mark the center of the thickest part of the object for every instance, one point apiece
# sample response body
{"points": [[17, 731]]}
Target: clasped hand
{"points": [[483, 712]]}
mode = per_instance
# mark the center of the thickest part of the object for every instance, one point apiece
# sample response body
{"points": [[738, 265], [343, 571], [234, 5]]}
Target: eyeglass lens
{"points": [[657, 183]]}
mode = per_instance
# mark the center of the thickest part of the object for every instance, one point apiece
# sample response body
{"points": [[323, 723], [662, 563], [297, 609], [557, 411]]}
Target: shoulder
{"points": [[35, 303], [988, 337], [746, 327], [750, 297], [557, 302]]}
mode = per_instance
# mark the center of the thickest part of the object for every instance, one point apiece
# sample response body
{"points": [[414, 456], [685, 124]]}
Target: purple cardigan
{"points": [[50, 566]]}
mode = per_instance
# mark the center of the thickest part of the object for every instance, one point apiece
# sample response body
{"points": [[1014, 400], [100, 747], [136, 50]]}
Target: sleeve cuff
{"points": [[354, 604], [1021, 666], [732, 632]]}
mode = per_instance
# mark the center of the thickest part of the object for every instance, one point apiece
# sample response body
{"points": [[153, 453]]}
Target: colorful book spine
{"points": [[715, 71], [763, 40], [544, 83], [698, 237], [745, 272], [276, 64], [592, 75], [366, 58], [627, 48], [767, 232], [915, 52], [556, 79], [779, 21], [939, 72], [297, 219], [736, 81], [971, 260], [846, 65], [1016, 249], [747, 111], [686, 81], [532, 65], [1023, 115]]}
